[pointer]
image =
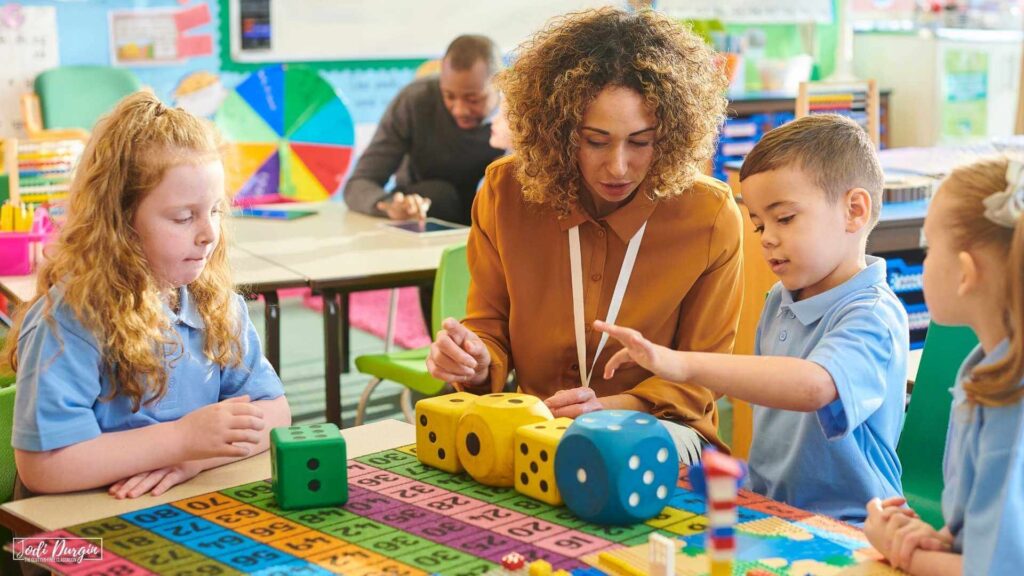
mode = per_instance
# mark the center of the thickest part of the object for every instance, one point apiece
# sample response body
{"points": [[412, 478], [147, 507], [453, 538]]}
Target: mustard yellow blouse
{"points": [[684, 293]]}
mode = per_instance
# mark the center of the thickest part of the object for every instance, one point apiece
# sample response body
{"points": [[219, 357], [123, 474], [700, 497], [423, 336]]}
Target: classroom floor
{"points": [[302, 370]]}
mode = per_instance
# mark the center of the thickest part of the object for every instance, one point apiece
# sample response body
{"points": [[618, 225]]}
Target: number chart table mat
{"points": [[405, 518]]}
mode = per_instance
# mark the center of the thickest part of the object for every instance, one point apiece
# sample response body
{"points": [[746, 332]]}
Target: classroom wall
{"points": [[83, 32]]}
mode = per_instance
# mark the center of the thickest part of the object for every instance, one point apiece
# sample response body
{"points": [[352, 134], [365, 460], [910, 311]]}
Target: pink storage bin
{"points": [[17, 252]]}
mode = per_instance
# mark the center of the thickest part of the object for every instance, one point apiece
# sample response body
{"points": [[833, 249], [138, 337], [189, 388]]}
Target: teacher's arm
{"points": [[380, 160], [487, 306]]}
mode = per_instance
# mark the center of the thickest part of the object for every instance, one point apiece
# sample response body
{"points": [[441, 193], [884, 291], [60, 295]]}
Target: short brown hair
{"points": [[466, 50], [833, 150]]}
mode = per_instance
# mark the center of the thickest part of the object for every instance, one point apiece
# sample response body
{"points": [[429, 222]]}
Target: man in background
{"points": [[434, 139]]}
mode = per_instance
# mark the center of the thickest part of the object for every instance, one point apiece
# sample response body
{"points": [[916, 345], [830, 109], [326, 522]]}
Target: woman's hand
{"points": [[155, 482], [573, 402], [458, 355]]}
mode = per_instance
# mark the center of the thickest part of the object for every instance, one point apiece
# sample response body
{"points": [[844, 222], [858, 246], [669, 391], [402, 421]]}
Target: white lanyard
{"points": [[576, 264]]}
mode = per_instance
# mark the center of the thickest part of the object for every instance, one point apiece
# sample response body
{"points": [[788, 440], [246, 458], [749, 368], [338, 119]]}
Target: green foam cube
{"points": [[309, 467]]}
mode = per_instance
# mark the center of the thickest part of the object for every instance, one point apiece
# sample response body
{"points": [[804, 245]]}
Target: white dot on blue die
{"points": [[663, 455]]}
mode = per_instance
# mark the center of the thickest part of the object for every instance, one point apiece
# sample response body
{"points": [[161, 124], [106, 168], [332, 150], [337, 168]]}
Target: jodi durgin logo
{"points": [[72, 550]]}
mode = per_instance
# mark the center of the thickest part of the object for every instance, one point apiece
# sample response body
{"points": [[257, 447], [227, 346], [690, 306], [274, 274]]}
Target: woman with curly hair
{"points": [[602, 213], [137, 364]]}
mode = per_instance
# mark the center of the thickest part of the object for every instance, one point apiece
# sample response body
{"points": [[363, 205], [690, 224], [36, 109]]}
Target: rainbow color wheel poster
{"points": [[290, 135]]}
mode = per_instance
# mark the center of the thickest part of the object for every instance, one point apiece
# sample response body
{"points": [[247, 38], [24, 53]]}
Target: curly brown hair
{"points": [[561, 70], [106, 281]]}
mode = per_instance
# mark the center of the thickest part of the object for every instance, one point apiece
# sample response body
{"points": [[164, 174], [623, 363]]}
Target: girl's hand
{"points": [[897, 532], [228, 428], [636, 350], [156, 482], [458, 355], [573, 402]]}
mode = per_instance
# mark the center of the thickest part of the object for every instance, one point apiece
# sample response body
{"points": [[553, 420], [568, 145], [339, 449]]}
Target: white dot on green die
{"points": [[649, 477], [634, 462], [581, 476], [662, 492], [663, 455], [634, 499]]}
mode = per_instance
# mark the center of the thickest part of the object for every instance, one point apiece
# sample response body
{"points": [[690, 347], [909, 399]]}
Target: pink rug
{"points": [[368, 311]]}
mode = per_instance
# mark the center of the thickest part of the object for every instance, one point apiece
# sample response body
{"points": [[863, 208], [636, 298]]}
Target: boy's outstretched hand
{"points": [[637, 350]]}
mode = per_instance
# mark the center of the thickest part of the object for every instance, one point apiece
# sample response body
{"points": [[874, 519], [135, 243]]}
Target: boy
{"points": [[830, 372]]}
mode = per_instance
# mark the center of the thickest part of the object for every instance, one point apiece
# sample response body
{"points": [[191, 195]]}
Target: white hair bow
{"points": [[1005, 208]]}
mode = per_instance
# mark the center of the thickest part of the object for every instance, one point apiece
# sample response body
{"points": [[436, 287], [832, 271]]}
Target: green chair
{"points": [[6, 451], [69, 97], [923, 441], [409, 367]]}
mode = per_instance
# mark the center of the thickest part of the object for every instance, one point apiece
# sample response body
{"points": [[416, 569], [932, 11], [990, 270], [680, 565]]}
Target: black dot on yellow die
{"points": [[312, 464], [456, 400], [524, 479], [440, 453], [515, 401], [314, 485], [433, 437], [543, 485], [524, 448], [423, 419], [533, 467], [543, 455], [473, 443]]}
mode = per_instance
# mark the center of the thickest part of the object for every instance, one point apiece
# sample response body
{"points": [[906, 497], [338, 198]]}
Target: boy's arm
{"points": [[773, 381]]}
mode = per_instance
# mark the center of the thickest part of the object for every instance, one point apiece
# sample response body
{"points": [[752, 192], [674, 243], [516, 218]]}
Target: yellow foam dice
{"points": [[534, 461], [487, 433], [437, 419]]}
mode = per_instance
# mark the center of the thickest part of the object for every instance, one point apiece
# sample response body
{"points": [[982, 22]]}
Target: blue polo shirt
{"points": [[983, 470], [836, 459], [61, 379]]}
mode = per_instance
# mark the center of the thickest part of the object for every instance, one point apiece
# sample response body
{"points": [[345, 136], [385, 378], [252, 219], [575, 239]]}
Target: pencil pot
{"points": [[17, 252]]}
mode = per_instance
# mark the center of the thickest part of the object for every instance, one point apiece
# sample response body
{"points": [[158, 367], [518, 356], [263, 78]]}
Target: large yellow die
{"points": [[487, 433], [437, 419], [535, 459]]}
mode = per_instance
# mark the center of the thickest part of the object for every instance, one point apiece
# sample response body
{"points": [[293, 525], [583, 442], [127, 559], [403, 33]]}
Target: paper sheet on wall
{"points": [[750, 11], [28, 45]]}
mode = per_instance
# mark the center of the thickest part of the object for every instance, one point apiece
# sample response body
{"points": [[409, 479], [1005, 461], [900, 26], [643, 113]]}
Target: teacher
{"points": [[602, 213]]}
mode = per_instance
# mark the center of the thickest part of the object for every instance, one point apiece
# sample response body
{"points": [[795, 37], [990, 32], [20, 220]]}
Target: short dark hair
{"points": [[833, 150], [466, 50]]}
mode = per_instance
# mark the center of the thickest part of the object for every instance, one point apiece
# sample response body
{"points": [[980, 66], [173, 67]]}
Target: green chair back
{"points": [[451, 286], [7, 469], [76, 96], [923, 441]]}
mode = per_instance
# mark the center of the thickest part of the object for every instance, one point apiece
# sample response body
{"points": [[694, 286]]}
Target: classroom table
{"points": [[51, 512], [252, 275], [339, 252]]}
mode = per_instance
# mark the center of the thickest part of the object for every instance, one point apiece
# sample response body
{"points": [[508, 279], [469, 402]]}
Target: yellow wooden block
{"points": [[437, 420], [534, 460], [487, 431], [721, 568], [540, 568]]}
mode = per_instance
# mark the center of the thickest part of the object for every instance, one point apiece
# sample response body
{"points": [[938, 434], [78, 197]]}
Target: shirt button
{"points": [[574, 367], [600, 232], [790, 315], [783, 335], [596, 277]]}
